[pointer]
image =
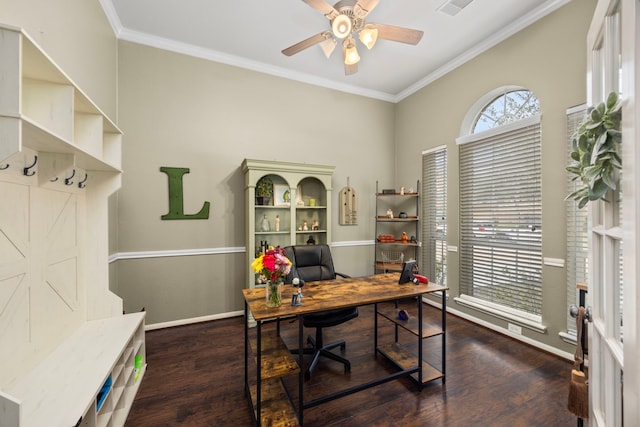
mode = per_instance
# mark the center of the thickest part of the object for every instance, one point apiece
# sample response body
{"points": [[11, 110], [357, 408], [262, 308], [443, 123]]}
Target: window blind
{"points": [[501, 216], [577, 231], [434, 214]]}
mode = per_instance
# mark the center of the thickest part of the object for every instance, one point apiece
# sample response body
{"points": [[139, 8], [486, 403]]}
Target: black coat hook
{"points": [[54, 179], [6, 166], [81, 184], [67, 181], [26, 171]]}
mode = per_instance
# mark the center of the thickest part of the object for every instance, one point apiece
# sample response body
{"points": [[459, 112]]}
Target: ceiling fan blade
{"points": [[304, 44], [398, 34], [323, 7], [364, 7]]}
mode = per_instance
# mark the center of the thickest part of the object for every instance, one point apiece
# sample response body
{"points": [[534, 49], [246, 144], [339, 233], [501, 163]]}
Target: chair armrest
{"points": [[343, 275]]}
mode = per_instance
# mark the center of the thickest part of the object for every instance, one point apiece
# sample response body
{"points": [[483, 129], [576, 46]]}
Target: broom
{"points": [[579, 386]]}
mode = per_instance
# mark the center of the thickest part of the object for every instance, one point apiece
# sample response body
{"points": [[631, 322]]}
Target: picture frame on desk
{"points": [[282, 195]]}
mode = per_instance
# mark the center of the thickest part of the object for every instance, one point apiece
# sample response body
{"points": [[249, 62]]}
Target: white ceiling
{"points": [[251, 34]]}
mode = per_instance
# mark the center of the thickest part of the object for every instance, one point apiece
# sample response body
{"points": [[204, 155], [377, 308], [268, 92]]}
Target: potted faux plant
{"points": [[264, 191], [595, 152]]}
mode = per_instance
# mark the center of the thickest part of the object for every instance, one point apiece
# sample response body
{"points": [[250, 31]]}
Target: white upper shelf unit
{"points": [[42, 109]]}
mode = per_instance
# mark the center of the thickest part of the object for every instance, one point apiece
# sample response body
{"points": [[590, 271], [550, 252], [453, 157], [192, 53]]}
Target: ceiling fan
{"points": [[347, 19]]}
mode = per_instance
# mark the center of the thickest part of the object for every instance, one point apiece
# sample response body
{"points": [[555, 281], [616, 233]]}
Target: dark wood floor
{"points": [[195, 378]]}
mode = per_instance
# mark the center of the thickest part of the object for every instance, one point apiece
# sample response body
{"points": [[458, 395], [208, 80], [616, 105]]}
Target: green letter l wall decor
{"points": [[176, 202]]}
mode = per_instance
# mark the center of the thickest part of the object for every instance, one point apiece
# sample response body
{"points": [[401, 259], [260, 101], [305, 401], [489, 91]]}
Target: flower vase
{"points": [[273, 292]]}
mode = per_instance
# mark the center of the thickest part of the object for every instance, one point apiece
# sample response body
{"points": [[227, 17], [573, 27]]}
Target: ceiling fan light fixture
{"points": [[351, 53], [341, 26], [368, 36], [328, 46]]}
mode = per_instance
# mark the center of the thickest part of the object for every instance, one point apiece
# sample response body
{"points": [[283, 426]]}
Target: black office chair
{"points": [[312, 263]]}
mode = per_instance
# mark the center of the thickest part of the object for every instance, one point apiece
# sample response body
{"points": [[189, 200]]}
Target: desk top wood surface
{"points": [[339, 293]]}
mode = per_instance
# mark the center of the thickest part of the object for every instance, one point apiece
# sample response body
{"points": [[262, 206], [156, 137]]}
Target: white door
{"points": [[614, 248]]}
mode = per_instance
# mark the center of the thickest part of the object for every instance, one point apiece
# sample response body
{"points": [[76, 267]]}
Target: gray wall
{"points": [[181, 111], [549, 58]]}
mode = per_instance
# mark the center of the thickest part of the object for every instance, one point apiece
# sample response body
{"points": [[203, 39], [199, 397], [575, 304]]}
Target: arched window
{"points": [[501, 208], [506, 108]]}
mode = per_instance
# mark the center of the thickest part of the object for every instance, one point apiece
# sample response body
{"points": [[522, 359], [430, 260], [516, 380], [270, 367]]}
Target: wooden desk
{"points": [[276, 360]]}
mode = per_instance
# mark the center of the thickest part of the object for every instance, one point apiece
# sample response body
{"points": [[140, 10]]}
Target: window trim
{"points": [[528, 320]]}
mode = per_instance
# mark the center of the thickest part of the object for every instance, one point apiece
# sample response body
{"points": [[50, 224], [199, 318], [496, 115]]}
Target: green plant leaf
{"points": [[609, 179], [600, 141], [598, 189], [583, 202], [612, 100]]}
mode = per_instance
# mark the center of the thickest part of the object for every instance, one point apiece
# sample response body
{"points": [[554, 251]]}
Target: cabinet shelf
{"points": [[267, 233], [397, 243], [414, 194], [311, 232], [382, 218]]}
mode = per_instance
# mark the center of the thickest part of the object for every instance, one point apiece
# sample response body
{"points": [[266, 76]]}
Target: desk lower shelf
{"points": [[406, 360], [277, 362], [277, 410]]}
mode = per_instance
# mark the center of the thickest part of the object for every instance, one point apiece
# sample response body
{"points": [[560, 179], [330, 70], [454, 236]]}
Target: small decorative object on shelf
{"points": [[402, 215], [264, 224], [277, 222], [389, 213], [305, 226], [402, 191], [274, 266], [312, 202], [264, 191], [314, 225], [299, 201], [404, 237], [311, 241]]}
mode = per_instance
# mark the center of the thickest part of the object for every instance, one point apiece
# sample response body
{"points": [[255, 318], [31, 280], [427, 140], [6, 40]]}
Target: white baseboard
{"points": [[504, 331], [183, 322]]}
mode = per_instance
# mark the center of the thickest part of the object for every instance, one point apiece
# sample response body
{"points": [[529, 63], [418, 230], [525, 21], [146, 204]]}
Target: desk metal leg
{"points": [[259, 374], [301, 373], [375, 329], [420, 384], [444, 337]]}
